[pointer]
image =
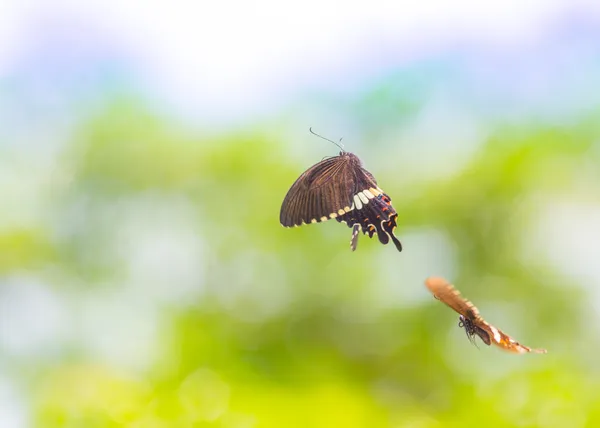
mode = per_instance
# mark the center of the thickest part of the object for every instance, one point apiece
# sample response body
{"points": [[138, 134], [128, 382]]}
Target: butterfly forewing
{"points": [[322, 191], [445, 292]]}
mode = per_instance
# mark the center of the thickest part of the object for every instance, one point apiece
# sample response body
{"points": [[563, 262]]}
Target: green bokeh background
{"points": [[145, 280], [288, 327]]}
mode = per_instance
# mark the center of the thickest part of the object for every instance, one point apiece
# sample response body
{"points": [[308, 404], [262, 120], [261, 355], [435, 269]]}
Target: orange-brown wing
{"points": [[503, 340], [444, 291]]}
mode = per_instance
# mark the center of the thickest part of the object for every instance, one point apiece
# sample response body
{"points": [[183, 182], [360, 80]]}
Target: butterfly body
{"points": [[472, 330], [340, 188], [472, 321]]}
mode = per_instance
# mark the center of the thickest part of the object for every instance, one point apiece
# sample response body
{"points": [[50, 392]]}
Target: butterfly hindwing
{"points": [[378, 216], [504, 341]]}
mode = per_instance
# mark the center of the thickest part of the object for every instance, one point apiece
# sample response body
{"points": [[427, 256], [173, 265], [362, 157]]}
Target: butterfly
{"points": [[470, 319], [340, 188]]}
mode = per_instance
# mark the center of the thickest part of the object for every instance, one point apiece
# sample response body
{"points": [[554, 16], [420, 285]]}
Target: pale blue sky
{"points": [[233, 58]]}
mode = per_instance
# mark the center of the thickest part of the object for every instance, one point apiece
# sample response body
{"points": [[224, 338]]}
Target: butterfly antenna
{"points": [[340, 145]]}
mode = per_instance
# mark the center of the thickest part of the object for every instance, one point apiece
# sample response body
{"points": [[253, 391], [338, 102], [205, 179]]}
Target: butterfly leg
{"points": [[354, 240]]}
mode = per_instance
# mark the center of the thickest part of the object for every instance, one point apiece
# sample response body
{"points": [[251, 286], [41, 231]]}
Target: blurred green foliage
{"points": [[288, 328]]}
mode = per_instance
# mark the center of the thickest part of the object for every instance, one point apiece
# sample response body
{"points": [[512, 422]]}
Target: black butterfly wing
{"points": [[373, 215], [323, 191], [340, 188]]}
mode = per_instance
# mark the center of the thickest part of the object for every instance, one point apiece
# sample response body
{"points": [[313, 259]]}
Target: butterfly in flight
{"points": [[339, 187], [470, 319]]}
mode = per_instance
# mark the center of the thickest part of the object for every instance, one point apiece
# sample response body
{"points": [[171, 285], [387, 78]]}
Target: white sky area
{"points": [[238, 58]]}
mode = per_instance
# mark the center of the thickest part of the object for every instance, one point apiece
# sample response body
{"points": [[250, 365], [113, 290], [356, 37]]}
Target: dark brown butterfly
{"points": [[470, 319], [339, 187]]}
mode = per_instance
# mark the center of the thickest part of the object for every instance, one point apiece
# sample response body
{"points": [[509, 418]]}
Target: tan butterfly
{"points": [[470, 319]]}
